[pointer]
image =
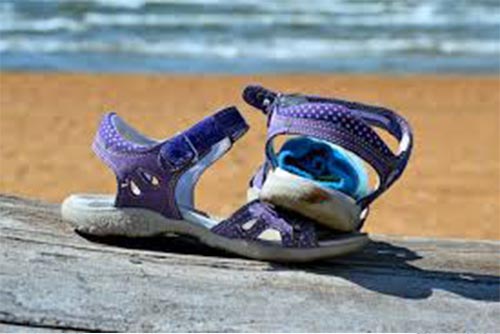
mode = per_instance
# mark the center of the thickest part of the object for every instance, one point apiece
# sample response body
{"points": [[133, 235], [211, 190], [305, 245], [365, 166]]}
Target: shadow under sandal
{"points": [[347, 128], [156, 181]]}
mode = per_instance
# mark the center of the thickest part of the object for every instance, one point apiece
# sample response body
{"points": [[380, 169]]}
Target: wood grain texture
{"points": [[52, 279]]}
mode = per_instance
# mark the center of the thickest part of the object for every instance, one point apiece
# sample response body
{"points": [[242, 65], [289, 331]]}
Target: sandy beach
{"points": [[451, 188]]}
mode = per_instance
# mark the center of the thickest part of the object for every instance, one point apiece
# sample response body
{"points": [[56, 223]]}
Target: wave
{"points": [[332, 6], [94, 20], [282, 48], [421, 8]]}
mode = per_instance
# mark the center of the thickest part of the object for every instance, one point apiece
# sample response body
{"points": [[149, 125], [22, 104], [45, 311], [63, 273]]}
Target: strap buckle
{"points": [[178, 152], [196, 155]]}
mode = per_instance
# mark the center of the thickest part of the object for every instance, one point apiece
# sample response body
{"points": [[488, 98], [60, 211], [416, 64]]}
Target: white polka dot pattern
{"points": [[113, 140], [341, 117]]}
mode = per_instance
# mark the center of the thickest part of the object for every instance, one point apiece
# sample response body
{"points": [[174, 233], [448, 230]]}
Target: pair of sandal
{"points": [[307, 202]]}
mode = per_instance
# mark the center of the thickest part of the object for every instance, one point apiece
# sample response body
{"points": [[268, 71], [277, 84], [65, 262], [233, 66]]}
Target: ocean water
{"points": [[248, 36]]}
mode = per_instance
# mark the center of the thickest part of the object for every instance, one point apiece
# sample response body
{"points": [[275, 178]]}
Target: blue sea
{"points": [[251, 36]]}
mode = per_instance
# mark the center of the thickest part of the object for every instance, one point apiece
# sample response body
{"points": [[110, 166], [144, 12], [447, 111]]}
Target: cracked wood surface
{"points": [[54, 280]]}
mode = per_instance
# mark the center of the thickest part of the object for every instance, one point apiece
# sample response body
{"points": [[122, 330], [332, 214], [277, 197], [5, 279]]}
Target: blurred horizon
{"points": [[251, 36]]}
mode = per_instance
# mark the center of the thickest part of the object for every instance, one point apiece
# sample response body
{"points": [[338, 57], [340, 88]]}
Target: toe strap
{"points": [[258, 221]]}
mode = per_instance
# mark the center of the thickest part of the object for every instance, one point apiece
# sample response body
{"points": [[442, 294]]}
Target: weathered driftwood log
{"points": [[52, 279]]}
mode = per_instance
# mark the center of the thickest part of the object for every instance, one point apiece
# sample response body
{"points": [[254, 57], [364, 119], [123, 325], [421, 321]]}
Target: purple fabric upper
{"points": [[139, 164], [344, 123], [295, 231]]}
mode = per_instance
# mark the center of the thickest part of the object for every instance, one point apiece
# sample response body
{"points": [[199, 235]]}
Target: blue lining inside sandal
{"points": [[330, 165]]}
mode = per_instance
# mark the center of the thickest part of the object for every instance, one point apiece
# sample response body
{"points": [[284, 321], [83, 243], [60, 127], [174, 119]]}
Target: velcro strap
{"points": [[187, 147], [336, 125], [376, 116], [267, 100]]}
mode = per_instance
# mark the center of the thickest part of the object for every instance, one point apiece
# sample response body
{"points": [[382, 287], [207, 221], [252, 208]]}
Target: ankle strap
{"points": [[188, 146], [344, 123]]}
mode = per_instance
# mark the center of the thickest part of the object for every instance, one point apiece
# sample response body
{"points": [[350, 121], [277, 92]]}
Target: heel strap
{"points": [[147, 171], [344, 123]]}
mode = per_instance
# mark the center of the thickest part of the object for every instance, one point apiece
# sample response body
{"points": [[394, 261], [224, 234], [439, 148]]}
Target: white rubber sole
{"points": [[96, 215], [330, 208]]}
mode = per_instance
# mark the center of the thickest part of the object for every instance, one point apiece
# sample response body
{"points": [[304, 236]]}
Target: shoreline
{"points": [[451, 188]]}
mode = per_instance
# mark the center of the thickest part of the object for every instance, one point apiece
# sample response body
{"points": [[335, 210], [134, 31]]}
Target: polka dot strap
{"points": [[334, 124], [375, 116], [347, 128]]}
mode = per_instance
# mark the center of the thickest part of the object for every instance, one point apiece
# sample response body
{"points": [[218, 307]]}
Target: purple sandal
{"points": [[344, 124], [156, 181]]}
